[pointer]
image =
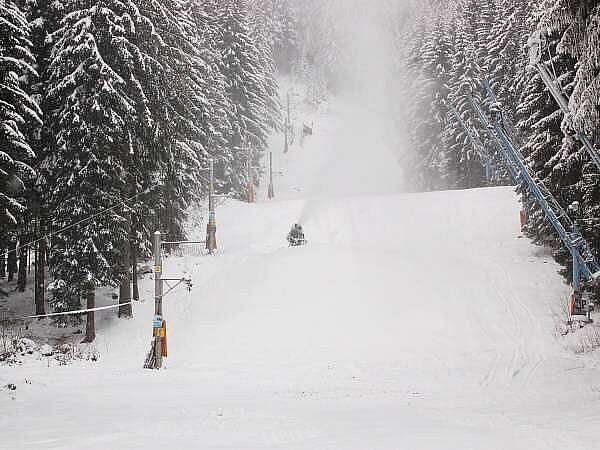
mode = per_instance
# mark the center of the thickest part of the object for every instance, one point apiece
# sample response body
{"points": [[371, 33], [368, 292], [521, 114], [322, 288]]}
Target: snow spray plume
{"points": [[360, 157]]}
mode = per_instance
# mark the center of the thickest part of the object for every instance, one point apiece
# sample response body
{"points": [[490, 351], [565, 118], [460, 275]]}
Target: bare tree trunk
{"points": [[2, 262], [136, 290], [40, 277], [12, 260], [90, 326], [29, 259], [125, 286], [22, 274]]}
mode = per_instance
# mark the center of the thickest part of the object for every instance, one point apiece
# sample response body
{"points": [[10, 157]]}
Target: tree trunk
{"points": [[136, 290], [2, 262], [22, 274], [90, 326], [125, 296], [12, 260], [40, 277], [125, 286]]}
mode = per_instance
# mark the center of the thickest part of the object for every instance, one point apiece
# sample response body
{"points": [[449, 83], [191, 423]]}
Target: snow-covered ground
{"points": [[417, 321]]}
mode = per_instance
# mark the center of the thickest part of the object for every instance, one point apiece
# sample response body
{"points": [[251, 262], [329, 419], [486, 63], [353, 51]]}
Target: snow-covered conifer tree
{"points": [[248, 94], [436, 55], [579, 37], [18, 113], [279, 22], [539, 124], [464, 82], [94, 79], [506, 63]]}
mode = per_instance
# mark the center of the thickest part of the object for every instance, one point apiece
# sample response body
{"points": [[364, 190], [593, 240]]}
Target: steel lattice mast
{"points": [[585, 266]]}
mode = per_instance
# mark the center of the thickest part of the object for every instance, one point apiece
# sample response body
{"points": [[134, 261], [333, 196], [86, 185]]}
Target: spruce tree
{"points": [[248, 95], [175, 92], [436, 55], [94, 78], [539, 123], [465, 83], [279, 22], [576, 23], [19, 113], [506, 64], [44, 17], [411, 91]]}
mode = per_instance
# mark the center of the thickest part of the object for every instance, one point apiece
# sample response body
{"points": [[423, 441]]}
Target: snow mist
{"points": [[358, 156]]}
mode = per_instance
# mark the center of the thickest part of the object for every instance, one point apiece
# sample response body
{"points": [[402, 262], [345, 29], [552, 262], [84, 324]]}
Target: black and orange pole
{"points": [[271, 191], [211, 227]]}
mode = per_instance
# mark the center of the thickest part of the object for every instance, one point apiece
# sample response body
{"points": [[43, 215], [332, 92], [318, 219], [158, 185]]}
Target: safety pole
{"points": [[271, 192], [211, 227], [287, 126], [289, 115], [576, 307], [155, 358]]}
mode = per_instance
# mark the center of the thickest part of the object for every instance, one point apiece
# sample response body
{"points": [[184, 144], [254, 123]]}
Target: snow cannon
{"points": [[296, 236]]}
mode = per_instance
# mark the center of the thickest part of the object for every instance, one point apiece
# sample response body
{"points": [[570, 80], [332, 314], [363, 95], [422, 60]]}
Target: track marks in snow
{"points": [[517, 337]]}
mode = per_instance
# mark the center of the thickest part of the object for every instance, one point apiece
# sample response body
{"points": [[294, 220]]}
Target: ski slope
{"points": [[409, 321]]}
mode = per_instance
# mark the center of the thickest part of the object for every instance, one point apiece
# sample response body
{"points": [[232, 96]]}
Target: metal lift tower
{"points": [[585, 266], [479, 148]]}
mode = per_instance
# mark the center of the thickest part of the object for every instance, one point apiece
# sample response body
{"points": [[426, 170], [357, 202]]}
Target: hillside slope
{"points": [[417, 321]]}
